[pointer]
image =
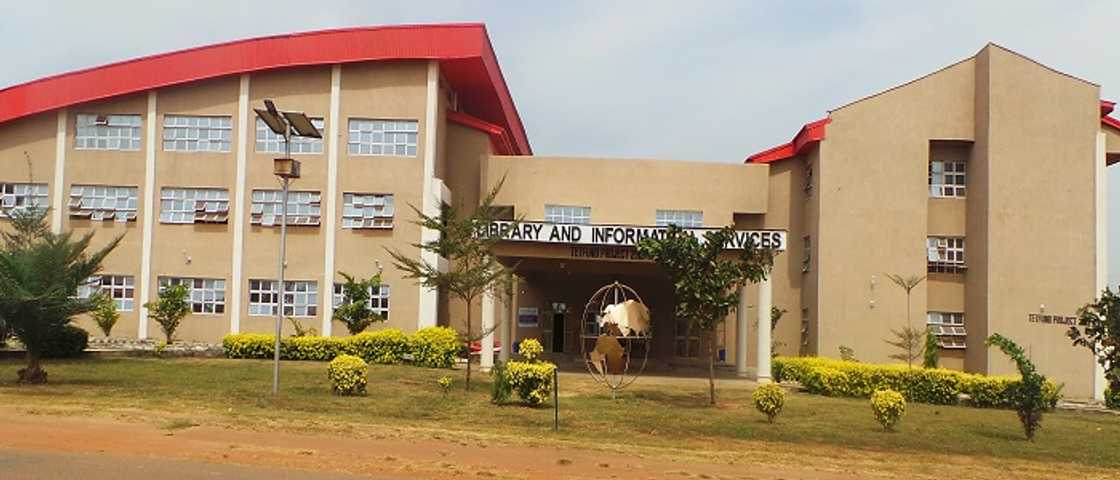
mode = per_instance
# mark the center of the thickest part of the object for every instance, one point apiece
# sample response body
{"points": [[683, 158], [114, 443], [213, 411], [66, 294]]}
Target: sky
{"points": [[687, 80]]}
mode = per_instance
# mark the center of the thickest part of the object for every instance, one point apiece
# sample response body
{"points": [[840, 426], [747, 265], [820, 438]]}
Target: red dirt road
{"points": [[45, 446]]}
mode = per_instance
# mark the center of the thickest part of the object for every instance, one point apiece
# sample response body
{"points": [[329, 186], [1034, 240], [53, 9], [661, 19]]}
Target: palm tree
{"points": [[909, 339], [40, 273]]}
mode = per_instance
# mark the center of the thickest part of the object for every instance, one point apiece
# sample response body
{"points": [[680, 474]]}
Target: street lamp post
{"points": [[285, 124]]}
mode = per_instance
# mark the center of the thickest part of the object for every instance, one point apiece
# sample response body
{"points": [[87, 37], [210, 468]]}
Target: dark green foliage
{"points": [[1099, 331], [1112, 398], [169, 309], [66, 341], [356, 312], [932, 350], [501, 390], [705, 278], [1027, 396], [471, 268], [40, 273]]}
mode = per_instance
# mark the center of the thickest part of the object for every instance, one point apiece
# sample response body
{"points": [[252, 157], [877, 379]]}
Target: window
{"points": [[808, 179], [272, 142], [567, 214], [206, 295], [185, 133], [382, 137], [378, 299], [946, 179], [807, 254], [804, 327], [19, 196], [686, 344], [303, 208], [107, 132], [680, 218], [193, 205], [118, 287], [949, 328], [367, 210], [945, 254], [301, 298], [104, 202]]}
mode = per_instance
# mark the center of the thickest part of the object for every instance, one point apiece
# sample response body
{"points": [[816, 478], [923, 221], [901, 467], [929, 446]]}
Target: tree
{"points": [[909, 340], [1027, 395], [705, 280], [169, 309], [932, 350], [40, 273], [356, 312], [105, 315], [1099, 331], [471, 267]]}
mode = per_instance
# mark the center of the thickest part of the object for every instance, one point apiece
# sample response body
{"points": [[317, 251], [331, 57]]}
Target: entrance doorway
{"points": [[558, 331]]}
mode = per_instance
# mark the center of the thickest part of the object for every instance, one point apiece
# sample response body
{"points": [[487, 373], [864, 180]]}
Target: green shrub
{"points": [[434, 347], [445, 383], [888, 407], [769, 399], [386, 347], [105, 315], [531, 380], [823, 376], [348, 375], [1112, 399], [500, 390], [66, 341]]}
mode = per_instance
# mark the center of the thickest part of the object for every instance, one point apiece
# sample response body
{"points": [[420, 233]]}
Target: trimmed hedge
{"points": [[839, 378], [67, 341], [429, 347]]}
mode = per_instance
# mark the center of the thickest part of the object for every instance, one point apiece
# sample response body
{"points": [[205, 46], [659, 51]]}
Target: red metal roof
{"points": [[811, 133], [466, 57]]}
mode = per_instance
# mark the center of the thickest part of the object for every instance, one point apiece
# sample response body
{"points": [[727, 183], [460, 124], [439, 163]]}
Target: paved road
{"points": [[24, 465]]}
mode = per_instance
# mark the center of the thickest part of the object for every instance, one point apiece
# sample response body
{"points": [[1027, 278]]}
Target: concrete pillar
{"points": [[741, 319], [1101, 182], [762, 374], [489, 314], [504, 328]]}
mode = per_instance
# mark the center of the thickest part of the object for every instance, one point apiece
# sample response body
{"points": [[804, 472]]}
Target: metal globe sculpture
{"points": [[615, 336]]}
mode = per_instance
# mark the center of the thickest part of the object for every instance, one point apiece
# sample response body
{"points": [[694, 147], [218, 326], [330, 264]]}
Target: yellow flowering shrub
{"points": [[531, 349], [531, 380], [888, 407], [769, 399], [435, 347], [386, 347], [348, 375], [430, 347], [840, 378]]}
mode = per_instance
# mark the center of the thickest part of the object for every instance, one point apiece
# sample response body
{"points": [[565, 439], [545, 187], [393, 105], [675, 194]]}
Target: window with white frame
{"points": [[948, 327], [104, 202], [303, 208], [301, 298], [118, 287], [808, 179], [107, 132], [945, 254], [193, 205], [382, 137], [686, 341], [20, 196], [269, 141], [205, 295], [807, 254], [680, 218], [567, 214], [378, 299], [804, 327], [947, 178], [192, 133], [367, 210]]}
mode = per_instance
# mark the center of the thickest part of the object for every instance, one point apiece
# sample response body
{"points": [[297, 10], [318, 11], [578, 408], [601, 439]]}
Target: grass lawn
{"points": [[654, 413]]}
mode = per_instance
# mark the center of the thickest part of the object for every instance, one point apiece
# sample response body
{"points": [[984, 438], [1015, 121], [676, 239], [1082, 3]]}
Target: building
{"points": [[987, 175]]}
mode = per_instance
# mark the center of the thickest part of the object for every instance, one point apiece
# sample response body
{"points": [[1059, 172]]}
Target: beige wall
{"points": [[873, 204], [1041, 232]]}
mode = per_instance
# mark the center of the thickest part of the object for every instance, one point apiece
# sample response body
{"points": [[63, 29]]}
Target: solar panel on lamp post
{"points": [[287, 125]]}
